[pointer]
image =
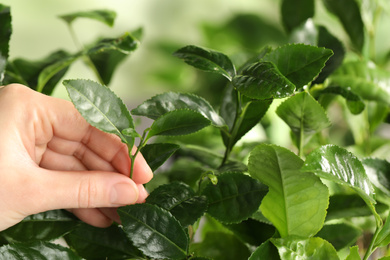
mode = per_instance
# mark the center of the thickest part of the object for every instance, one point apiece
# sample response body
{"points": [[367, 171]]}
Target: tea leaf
{"points": [[178, 122], [107, 54], [337, 164], [353, 253], [234, 198], [351, 20], [265, 251], [170, 101], [368, 82], [219, 245], [378, 172], [105, 16], [180, 200], [5, 36], [340, 235], [304, 115], [299, 63], [157, 153], [100, 107], [207, 60], [263, 80], [43, 226], [311, 248], [294, 13], [154, 231], [354, 103], [100, 243], [296, 202], [37, 251]]}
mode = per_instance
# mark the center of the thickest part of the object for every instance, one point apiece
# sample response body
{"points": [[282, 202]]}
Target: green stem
{"points": [[371, 248], [142, 143], [301, 141]]}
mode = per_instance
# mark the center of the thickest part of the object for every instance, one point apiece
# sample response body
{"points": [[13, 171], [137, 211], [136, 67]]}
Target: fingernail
{"points": [[143, 194], [124, 194]]}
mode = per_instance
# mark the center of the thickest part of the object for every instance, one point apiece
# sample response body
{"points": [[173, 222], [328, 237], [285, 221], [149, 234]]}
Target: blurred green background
{"points": [[167, 25]]}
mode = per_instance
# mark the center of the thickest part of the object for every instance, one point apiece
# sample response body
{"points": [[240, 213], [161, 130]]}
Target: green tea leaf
{"points": [[383, 238], [299, 63], [327, 40], [178, 122], [37, 251], [353, 253], [5, 36], [100, 107], [180, 200], [351, 19], [157, 153], [154, 231], [304, 115], [50, 71], [207, 60], [294, 13], [340, 235], [99, 243], [337, 164], [364, 79], [343, 206], [234, 198], [43, 226], [354, 103], [265, 251], [296, 202], [170, 101], [27, 72], [309, 249], [378, 172], [251, 231], [105, 16], [219, 245], [107, 54], [263, 80]]}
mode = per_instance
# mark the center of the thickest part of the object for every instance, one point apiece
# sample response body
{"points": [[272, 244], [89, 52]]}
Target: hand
{"points": [[51, 158]]}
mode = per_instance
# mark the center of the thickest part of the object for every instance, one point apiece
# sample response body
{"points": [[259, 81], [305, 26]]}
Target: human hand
{"points": [[51, 158]]}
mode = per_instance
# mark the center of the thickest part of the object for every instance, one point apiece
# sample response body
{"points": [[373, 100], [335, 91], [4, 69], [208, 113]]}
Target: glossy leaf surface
{"points": [[180, 200], [337, 164], [310, 249], [299, 63], [378, 172], [43, 226], [178, 122], [170, 101], [100, 106], [354, 102], [154, 231], [107, 54], [294, 13], [157, 153], [5, 35], [303, 114], [234, 198], [207, 60], [37, 251], [105, 16], [368, 82], [296, 202], [99, 243], [263, 80], [348, 12]]}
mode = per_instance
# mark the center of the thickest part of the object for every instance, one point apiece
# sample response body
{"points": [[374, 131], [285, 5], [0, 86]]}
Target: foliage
{"points": [[241, 198]]}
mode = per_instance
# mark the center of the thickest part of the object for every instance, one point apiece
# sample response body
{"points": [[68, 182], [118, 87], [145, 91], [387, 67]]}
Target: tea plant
{"points": [[313, 199]]}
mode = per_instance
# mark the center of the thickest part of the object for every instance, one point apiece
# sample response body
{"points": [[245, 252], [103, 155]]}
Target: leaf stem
{"points": [[371, 248], [142, 143]]}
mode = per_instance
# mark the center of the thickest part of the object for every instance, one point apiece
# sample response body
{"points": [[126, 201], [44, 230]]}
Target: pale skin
{"points": [[51, 158]]}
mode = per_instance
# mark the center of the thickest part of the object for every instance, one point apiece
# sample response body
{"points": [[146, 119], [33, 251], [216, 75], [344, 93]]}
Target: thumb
{"points": [[90, 189]]}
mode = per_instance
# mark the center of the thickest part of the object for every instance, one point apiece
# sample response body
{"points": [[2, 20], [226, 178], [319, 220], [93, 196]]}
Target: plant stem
{"points": [[142, 143], [371, 248]]}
